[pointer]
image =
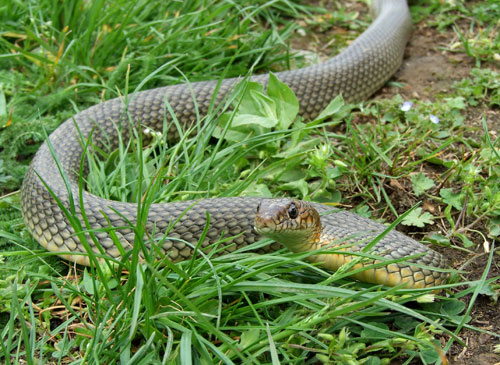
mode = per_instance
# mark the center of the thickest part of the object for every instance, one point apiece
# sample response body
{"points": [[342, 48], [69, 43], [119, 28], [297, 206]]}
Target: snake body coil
{"points": [[356, 73]]}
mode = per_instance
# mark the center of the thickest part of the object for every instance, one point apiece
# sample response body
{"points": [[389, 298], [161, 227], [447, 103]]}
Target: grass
{"points": [[56, 59]]}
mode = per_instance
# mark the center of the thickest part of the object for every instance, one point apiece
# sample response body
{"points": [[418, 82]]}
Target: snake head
{"points": [[293, 223]]}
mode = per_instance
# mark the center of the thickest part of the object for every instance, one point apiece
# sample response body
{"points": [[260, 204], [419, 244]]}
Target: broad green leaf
{"points": [[292, 175], [249, 119], [287, 105], [327, 196], [332, 108], [456, 103], [418, 219], [259, 111], [438, 239], [421, 183], [453, 308], [490, 290], [494, 227], [256, 108], [299, 148], [300, 185], [465, 240], [405, 323], [247, 103], [333, 172], [363, 210], [451, 198], [257, 190], [372, 333], [232, 134], [429, 355]]}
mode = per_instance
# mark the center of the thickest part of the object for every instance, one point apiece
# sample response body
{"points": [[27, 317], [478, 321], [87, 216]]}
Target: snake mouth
{"points": [[264, 226]]}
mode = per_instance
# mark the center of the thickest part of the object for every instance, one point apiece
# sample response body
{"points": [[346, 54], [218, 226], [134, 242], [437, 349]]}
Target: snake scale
{"points": [[356, 73]]}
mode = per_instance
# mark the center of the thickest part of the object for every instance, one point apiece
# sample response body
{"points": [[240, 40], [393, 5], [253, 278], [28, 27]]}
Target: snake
{"points": [[60, 215]]}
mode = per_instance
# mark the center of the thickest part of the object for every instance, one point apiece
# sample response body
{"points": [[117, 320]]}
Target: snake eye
{"points": [[292, 211]]}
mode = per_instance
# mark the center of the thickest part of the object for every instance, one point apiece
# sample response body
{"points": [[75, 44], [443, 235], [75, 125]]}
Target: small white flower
{"points": [[434, 119], [406, 106]]}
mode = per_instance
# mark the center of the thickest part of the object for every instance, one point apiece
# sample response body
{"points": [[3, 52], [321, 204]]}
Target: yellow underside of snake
{"points": [[356, 73]]}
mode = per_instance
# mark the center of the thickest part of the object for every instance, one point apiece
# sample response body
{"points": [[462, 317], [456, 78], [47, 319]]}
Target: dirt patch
{"points": [[428, 70]]}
